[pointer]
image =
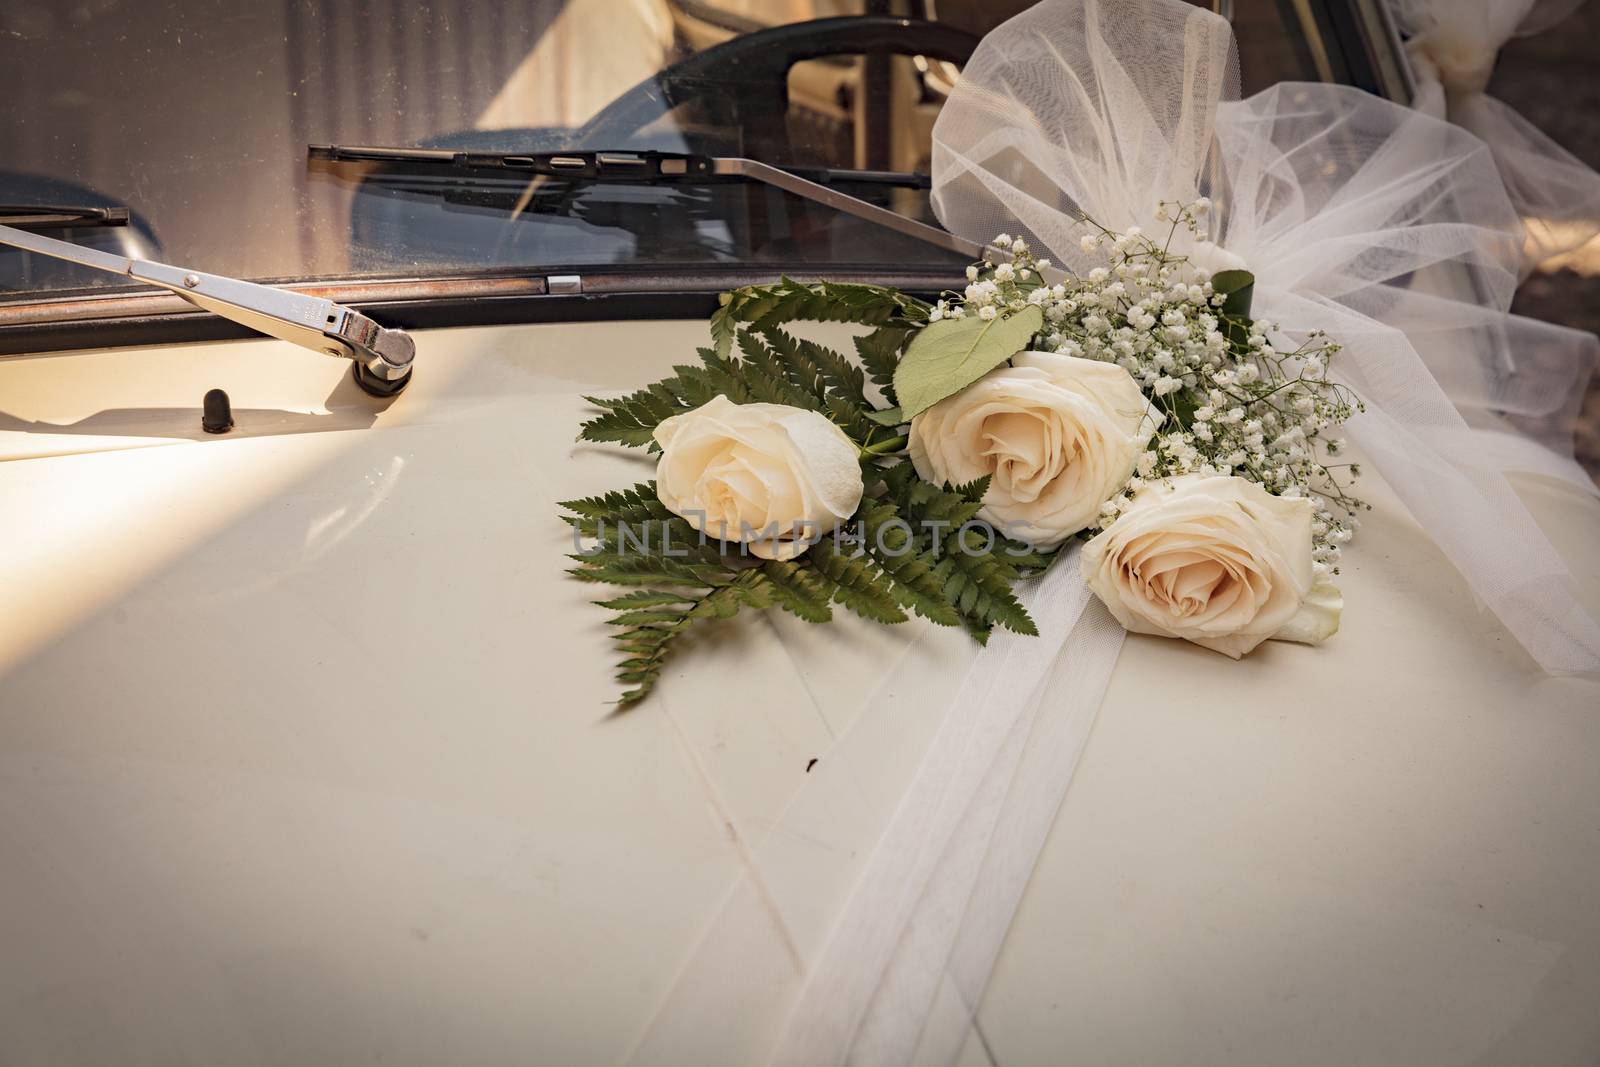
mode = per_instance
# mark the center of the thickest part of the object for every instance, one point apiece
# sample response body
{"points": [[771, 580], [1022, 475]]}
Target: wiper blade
{"points": [[646, 166], [652, 168], [61, 216], [382, 357]]}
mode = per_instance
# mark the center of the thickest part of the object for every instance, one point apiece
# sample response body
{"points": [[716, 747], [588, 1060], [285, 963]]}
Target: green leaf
{"points": [[887, 417], [880, 354], [798, 590], [632, 419], [642, 599], [974, 582], [951, 354], [787, 300], [1238, 286], [895, 546], [856, 581]]}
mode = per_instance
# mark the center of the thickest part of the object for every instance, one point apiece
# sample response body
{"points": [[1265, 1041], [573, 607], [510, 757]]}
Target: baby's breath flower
{"points": [[1225, 405]]}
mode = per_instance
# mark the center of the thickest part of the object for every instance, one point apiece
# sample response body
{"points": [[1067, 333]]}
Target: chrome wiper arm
{"points": [[651, 167], [382, 357]]}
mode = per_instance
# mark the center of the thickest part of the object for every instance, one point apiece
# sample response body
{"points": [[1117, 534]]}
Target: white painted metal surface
{"points": [[305, 758]]}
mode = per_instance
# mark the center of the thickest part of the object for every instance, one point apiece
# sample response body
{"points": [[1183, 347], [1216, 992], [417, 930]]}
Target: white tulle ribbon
{"points": [[866, 925], [867, 998], [1452, 45], [911, 896]]}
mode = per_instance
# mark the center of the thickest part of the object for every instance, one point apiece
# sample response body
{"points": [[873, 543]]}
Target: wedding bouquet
{"points": [[1137, 407], [1152, 421]]}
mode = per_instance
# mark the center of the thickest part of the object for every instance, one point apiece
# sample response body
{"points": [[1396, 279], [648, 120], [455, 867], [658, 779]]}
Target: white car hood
{"points": [[306, 756]]}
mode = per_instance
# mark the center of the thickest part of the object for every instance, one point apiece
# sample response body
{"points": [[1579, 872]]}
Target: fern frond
{"points": [[840, 376], [894, 545], [980, 586], [787, 300], [838, 386], [620, 505], [772, 379], [642, 598], [880, 353], [632, 419], [617, 568], [970, 565], [798, 590], [856, 581], [649, 634]]}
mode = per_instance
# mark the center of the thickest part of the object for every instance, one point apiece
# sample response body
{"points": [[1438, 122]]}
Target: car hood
{"points": [[307, 755]]}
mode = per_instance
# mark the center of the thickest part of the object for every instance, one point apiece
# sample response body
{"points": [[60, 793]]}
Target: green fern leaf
{"points": [[773, 380], [642, 598], [856, 581], [894, 545], [632, 419], [880, 353], [798, 590], [979, 586], [635, 504], [838, 374], [787, 300], [649, 634]]}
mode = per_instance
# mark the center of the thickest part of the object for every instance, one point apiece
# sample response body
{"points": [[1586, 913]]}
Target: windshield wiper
{"points": [[655, 168], [382, 357], [61, 216], [622, 166]]}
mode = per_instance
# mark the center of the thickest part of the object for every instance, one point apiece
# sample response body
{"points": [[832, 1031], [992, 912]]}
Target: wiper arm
{"points": [[647, 166], [61, 216], [382, 357], [652, 168]]}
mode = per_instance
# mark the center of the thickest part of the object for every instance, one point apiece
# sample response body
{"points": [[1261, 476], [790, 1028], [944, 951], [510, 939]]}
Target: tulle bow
{"points": [[1386, 227]]}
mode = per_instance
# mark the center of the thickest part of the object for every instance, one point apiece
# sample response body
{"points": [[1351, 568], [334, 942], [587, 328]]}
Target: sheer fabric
{"points": [[1384, 226], [1452, 45], [867, 921]]}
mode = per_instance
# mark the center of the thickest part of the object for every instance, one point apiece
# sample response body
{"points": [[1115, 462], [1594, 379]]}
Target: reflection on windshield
{"points": [[412, 218], [195, 114]]}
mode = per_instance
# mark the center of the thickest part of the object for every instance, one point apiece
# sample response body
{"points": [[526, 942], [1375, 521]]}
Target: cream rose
{"points": [[1059, 436], [1217, 561], [769, 475]]}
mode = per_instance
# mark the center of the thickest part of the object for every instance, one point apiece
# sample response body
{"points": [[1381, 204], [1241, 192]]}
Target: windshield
{"points": [[196, 114]]}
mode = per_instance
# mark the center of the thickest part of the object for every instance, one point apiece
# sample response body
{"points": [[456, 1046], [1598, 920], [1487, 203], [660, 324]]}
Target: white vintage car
{"points": [[307, 751]]}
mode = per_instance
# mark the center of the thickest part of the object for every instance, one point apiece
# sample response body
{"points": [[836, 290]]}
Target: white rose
{"points": [[1059, 435], [771, 476], [1217, 561]]}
